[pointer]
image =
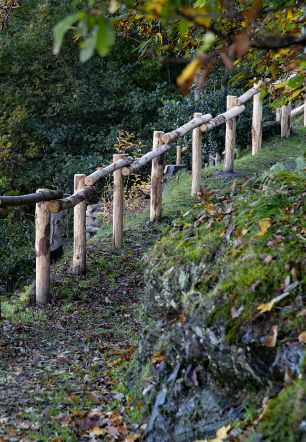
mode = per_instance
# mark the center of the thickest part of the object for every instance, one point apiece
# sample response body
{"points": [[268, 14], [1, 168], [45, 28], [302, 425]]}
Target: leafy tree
{"points": [[59, 116], [266, 35]]}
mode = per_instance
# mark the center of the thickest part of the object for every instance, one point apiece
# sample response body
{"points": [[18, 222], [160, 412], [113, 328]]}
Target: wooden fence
{"points": [[52, 201]]}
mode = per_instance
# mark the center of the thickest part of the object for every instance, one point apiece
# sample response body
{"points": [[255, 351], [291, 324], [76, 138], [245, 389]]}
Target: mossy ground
{"points": [[63, 369]]}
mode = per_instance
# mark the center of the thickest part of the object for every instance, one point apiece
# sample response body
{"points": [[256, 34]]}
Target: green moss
{"points": [[284, 414], [242, 264]]}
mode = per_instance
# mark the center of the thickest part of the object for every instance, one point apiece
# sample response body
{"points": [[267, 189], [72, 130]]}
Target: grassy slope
{"points": [[97, 315], [250, 236]]}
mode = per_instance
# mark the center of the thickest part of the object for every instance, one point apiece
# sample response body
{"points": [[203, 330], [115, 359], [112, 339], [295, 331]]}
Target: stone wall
{"points": [[93, 220]]}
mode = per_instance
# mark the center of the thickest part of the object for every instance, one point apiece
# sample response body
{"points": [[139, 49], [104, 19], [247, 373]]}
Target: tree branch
{"points": [[276, 42]]}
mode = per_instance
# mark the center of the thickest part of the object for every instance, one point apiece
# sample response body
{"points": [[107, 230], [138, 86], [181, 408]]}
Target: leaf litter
{"points": [[61, 376]]}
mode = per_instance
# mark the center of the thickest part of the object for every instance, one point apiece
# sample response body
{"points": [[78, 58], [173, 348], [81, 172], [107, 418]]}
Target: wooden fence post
{"points": [[156, 180], [79, 230], [285, 121], [278, 114], [42, 251], [230, 136], [178, 155], [118, 202], [196, 157], [257, 124]]}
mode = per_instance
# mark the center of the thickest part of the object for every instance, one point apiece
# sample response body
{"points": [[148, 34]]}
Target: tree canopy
{"points": [[263, 36]]}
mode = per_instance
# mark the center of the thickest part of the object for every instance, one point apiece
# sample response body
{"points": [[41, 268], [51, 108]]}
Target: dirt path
{"points": [[61, 369]]}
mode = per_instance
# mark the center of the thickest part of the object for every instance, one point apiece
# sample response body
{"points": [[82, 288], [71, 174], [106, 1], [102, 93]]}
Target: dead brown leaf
{"points": [[270, 340], [93, 397], [157, 357], [241, 44]]}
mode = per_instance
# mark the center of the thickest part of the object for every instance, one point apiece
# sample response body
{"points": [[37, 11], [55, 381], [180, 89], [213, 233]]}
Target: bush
{"points": [[17, 255], [179, 110]]}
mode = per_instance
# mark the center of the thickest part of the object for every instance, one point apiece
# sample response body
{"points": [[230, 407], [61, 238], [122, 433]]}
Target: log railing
{"points": [[52, 201]]}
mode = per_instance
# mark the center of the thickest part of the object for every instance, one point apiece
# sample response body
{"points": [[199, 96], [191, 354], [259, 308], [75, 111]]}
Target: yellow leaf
{"points": [[263, 308], [302, 337], [198, 15], [268, 307], [289, 15], [155, 9], [280, 85], [160, 37], [157, 357], [186, 77], [264, 225], [220, 436], [98, 431]]}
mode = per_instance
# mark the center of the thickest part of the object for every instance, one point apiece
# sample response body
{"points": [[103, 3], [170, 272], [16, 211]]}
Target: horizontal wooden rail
{"points": [[71, 201], [247, 95], [138, 164], [222, 118], [297, 111], [104, 171], [206, 122], [183, 130], [32, 198]]}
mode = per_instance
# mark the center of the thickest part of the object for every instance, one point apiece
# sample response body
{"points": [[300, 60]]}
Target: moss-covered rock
{"points": [[225, 299]]}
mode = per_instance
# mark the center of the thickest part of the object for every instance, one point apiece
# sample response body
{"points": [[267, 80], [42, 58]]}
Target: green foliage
{"points": [[283, 416], [245, 266], [268, 35], [17, 256], [58, 116], [178, 110]]}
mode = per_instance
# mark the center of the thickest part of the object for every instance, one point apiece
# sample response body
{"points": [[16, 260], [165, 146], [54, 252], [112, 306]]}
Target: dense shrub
{"points": [[56, 112], [17, 256], [179, 110]]}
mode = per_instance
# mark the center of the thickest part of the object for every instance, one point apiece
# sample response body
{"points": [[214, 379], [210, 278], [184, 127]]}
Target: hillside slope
{"points": [[225, 308], [201, 360]]}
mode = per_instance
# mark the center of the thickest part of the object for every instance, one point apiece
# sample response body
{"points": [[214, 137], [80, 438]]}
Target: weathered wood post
{"points": [[178, 155], [196, 157], [156, 180], [278, 114], [118, 202], [79, 230], [285, 121], [257, 124], [230, 136], [42, 251]]}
